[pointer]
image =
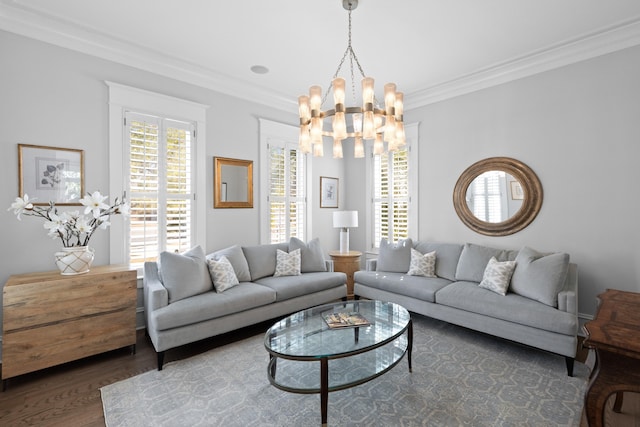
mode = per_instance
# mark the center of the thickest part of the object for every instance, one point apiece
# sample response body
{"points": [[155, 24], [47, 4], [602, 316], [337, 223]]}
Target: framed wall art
{"points": [[50, 174], [328, 192], [516, 190]]}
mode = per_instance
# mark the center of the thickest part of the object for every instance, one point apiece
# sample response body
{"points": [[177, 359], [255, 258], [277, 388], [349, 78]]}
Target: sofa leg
{"points": [[160, 359], [569, 361]]}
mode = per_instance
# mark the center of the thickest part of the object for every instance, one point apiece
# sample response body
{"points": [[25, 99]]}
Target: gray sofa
{"points": [[536, 306], [190, 297]]}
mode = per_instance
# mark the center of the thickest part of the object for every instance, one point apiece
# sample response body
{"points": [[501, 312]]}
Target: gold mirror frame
{"points": [[531, 205], [218, 200]]}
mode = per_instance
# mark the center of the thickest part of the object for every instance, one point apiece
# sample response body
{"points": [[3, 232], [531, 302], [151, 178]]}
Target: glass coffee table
{"points": [[348, 354]]}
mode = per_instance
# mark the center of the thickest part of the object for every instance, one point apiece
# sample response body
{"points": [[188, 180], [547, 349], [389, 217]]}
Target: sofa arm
{"points": [[155, 294], [329, 264], [568, 296], [371, 264]]}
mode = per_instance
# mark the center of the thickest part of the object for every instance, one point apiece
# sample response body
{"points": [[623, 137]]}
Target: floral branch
{"points": [[73, 228]]}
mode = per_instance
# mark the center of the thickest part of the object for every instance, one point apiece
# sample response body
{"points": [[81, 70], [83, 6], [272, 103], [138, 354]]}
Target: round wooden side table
{"points": [[348, 263]]}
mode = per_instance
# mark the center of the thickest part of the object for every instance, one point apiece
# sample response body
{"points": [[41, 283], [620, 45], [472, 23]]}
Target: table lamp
{"points": [[345, 220]]}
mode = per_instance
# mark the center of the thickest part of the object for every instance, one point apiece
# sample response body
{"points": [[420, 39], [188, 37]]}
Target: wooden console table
{"points": [[49, 319], [614, 334], [348, 263]]}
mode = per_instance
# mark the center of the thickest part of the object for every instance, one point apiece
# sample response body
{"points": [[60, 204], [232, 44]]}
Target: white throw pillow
{"points": [[422, 265], [287, 264], [497, 276], [222, 274]]}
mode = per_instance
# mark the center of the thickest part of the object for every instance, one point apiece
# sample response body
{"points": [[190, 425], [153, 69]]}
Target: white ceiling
{"points": [[432, 49]]}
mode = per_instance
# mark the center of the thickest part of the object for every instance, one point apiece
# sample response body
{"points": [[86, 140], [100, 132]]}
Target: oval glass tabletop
{"points": [[307, 335]]}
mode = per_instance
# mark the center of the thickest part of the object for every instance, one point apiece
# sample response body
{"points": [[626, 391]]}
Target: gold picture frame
{"points": [[50, 174]]}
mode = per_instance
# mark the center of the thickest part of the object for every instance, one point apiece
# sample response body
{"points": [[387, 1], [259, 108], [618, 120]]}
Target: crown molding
{"points": [[587, 47], [29, 23]]}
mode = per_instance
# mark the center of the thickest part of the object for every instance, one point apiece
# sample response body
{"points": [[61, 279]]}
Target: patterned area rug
{"points": [[459, 377]]}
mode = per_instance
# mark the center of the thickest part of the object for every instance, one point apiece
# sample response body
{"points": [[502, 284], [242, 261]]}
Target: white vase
{"points": [[74, 260]]}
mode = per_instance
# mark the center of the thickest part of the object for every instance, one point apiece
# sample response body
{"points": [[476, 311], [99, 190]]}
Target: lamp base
{"points": [[344, 240]]}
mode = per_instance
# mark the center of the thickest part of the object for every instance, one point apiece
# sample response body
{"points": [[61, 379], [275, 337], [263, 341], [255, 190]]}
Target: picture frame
{"points": [[516, 190], [328, 192], [50, 174]]}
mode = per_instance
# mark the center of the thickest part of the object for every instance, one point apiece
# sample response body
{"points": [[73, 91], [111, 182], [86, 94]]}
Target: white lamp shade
{"points": [[345, 219]]}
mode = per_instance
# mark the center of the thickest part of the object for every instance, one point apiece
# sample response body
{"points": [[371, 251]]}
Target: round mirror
{"points": [[497, 196]]}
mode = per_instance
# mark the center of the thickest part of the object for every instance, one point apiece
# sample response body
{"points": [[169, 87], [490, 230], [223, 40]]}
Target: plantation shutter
{"points": [[160, 186], [391, 196], [287, 192], [486, 197]]}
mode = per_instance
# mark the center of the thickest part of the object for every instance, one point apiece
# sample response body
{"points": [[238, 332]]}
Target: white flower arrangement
{"points": [[73, 228]]}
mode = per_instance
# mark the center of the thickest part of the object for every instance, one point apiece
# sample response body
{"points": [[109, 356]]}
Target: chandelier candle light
{"points": [[345, 220], [369, 122]]}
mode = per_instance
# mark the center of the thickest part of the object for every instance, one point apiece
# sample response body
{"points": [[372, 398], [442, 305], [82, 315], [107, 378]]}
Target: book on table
{"points": [[345, 320]]}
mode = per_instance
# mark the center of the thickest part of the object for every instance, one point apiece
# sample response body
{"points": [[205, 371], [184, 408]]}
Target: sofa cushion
{"points": [[222, 274], [394, 257], [474, 260], [512, 307], [287, 264], [448, 255], [419, 287], [422, 264], [185, 274], [236, 257], [287, 287], [212, 305], [311, 255], [262, 259], [539, 276], [497, 276]]}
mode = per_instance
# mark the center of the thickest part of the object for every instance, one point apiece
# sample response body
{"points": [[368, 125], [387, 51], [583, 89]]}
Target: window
{"points": [[391, 196], [393, 214], [159, 186], [284, 185], [487, 196], [154, 142]]}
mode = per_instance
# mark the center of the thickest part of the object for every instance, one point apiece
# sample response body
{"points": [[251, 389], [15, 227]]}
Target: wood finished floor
{"points": [[69, 395]]}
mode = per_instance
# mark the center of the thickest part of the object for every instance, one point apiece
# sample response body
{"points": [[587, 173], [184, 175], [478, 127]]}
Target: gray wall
{"points": [[578, 128]]}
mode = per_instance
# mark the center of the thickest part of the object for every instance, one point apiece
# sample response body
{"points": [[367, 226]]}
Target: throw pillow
{"points": [[311, 255], [540, 276], [237, 259], [222, 274], [474, 259], [287, 264], [497, 276], [394, 257], [422, 265], [262, 259], [184, 275]]}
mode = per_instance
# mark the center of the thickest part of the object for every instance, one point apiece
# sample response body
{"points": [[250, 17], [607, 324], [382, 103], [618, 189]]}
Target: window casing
{"points": [[284, 185], [181, 126]]}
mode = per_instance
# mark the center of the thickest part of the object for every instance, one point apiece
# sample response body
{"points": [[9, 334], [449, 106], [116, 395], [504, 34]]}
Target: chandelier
{"points": [[368, 121]]}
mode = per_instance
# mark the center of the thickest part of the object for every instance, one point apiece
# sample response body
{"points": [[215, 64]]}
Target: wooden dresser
{"points": [[49, 319]]}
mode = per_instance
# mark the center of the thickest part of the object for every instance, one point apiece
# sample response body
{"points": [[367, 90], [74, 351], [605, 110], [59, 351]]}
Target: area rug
{"points": [[460, 378]]}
